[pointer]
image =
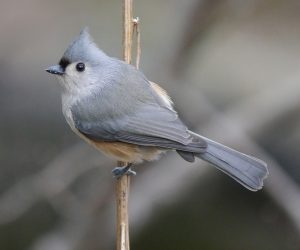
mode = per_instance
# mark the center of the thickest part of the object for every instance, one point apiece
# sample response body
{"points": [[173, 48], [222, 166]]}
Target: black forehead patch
{"points": [[64, 62]]}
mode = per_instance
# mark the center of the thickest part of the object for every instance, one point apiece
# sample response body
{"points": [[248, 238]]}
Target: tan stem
{"points": [[136, 29], [122, 195], [123, 183], [127, 30]]}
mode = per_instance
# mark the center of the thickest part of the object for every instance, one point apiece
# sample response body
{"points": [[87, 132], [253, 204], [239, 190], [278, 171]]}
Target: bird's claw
{"points": [[120, 171]]}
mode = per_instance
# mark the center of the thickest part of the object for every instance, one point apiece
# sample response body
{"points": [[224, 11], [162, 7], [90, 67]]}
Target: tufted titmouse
{"points": [[113, 106]]}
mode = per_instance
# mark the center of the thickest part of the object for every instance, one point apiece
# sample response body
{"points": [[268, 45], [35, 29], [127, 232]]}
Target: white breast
{"points": [[67, 101]]}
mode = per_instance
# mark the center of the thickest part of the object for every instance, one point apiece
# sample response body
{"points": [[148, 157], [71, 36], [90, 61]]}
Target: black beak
{"points": [[56, 70]]}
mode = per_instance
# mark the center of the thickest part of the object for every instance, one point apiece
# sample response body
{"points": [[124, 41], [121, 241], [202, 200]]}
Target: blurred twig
{"points": [[260, 110], [200, 18], [48, 183], [137, 30], [54, 185]]}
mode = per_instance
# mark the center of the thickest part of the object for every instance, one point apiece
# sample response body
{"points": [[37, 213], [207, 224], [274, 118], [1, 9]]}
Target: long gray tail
{"points": [[247, 170]]}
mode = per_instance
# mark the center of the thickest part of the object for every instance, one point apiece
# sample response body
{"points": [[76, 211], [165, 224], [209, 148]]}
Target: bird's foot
{"points": [[120, 171]]}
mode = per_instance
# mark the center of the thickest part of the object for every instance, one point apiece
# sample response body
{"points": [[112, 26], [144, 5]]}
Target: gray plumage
{"points": [[111, 101], [247, 170]]}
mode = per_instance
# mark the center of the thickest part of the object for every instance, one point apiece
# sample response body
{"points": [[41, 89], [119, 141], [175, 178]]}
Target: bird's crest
{"points": [[82, 49]]}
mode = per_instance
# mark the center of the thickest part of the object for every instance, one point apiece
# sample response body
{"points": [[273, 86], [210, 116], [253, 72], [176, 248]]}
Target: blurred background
{"points": [[232, 68]]}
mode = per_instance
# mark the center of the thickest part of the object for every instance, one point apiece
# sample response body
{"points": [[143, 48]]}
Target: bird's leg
{"points": [[120, 171]]}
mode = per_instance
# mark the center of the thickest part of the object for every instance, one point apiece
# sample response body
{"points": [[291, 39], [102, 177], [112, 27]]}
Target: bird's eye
{"points": [[80, 67]]}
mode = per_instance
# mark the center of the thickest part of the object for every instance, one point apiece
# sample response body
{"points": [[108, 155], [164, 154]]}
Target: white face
{"points": [[77, 75]]}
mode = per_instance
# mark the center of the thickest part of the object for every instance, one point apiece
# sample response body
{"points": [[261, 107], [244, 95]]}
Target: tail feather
{"points": [[247, 170]]}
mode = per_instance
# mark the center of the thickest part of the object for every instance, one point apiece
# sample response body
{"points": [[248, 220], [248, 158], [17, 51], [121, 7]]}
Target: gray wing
{"points": [[149, 125]]}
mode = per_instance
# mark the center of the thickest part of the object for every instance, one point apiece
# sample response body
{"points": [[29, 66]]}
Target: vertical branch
{"points": [[127, 30], [123, 183], [122, 195], [136, 28]]}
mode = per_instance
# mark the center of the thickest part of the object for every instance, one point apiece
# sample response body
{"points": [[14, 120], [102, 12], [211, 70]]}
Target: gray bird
{"points": [[113, 106]]}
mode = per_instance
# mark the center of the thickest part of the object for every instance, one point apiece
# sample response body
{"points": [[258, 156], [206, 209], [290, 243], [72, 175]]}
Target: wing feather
{"points": [[151, 125]]}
